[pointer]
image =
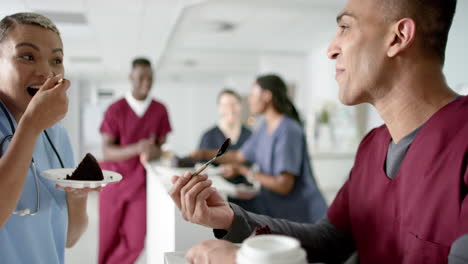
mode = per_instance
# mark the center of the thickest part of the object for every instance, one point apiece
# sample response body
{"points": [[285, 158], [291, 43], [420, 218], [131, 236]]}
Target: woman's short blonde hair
{"points": [[11, 21]]}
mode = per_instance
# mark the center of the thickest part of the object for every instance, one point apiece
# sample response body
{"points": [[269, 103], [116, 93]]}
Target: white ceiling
{"points": [[261, 28], [180, 36], [115, 31]]}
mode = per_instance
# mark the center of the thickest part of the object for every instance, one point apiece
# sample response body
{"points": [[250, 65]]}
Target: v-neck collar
{"points": [[135, 114], [417, 138], [273, 133], [138, 107], [399, 150]]}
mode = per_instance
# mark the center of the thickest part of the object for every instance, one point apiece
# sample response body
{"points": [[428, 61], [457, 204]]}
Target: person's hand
{"points": [[245, 195], [147, 149], [200, 203], [151, 154], [212, 251], [49, 105], [144, 145], [150, 151], [143, 158], [229, 171], [78, 193]]}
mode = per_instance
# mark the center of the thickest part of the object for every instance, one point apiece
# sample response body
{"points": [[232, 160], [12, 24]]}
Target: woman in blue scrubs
{"points": [[230, 126], [279, 148], [37, 219]]}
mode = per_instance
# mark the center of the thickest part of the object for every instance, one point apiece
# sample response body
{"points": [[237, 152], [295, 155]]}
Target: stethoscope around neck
{"points": [[27, 211]]}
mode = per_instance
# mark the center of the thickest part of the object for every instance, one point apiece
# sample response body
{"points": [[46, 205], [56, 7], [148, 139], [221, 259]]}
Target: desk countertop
{"points": [[164, 173], [174, 258]]}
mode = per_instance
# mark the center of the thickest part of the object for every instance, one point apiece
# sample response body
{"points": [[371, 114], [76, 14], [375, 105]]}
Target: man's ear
{"points": [[403, 35]]}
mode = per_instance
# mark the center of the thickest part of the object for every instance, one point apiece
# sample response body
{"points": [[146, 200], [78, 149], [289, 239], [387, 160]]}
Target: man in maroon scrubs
{"points": [[406, 197], [133, 130]]}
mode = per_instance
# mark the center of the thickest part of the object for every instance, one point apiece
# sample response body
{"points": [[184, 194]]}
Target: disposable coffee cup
{"points": [[271, 249]]}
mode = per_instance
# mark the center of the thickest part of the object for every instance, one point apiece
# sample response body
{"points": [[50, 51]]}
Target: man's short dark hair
{"points": [[433, 20], [141, 62]]}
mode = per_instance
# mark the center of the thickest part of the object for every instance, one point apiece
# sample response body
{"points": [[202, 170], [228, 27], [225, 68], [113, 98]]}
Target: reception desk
{"points": [[175, 258]]}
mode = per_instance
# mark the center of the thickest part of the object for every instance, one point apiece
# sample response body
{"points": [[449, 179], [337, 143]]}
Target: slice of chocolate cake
{"points": [[87, 170]]}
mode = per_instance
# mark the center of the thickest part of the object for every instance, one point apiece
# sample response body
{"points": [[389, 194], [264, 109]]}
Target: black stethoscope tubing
{"points": [[12, 127]]}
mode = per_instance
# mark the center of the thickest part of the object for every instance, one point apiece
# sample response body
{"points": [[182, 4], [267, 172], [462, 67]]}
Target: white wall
{"points": [[185, 102], [292, 68], [320, 78], [456, 61], [71, 122]]}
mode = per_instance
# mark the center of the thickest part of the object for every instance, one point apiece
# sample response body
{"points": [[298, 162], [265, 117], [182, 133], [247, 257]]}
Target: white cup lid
{"points": [[271, 249]]}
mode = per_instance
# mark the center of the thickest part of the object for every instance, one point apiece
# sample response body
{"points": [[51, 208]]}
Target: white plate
{"points": [[59, 177]]}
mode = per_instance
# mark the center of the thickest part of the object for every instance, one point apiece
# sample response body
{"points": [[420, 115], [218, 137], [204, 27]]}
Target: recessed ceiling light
{"points": [[223, 26], [176, 78], [190, 63]]}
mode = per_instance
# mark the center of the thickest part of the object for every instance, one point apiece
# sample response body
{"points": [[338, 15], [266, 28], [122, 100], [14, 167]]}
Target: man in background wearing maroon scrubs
{"points": [[405, 200], [133, 130]]}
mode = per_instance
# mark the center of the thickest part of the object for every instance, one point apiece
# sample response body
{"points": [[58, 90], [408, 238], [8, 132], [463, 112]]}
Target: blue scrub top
{"points": [[40, 238], [213, 139], [285, 150]]}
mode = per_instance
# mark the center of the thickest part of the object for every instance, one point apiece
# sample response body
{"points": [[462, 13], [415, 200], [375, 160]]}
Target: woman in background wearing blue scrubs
{"points": [[37, 220], [230, 126], [279, 148]]}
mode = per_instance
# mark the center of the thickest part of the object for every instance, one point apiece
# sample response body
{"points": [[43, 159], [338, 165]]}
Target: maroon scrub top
{"points": [[415, 217], [121, 122]]}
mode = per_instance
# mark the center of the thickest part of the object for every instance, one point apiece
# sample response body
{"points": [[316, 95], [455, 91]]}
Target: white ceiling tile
{"points": [[11, 7], [263, 27], [116, 24], [55, 5], [157, 23]]}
